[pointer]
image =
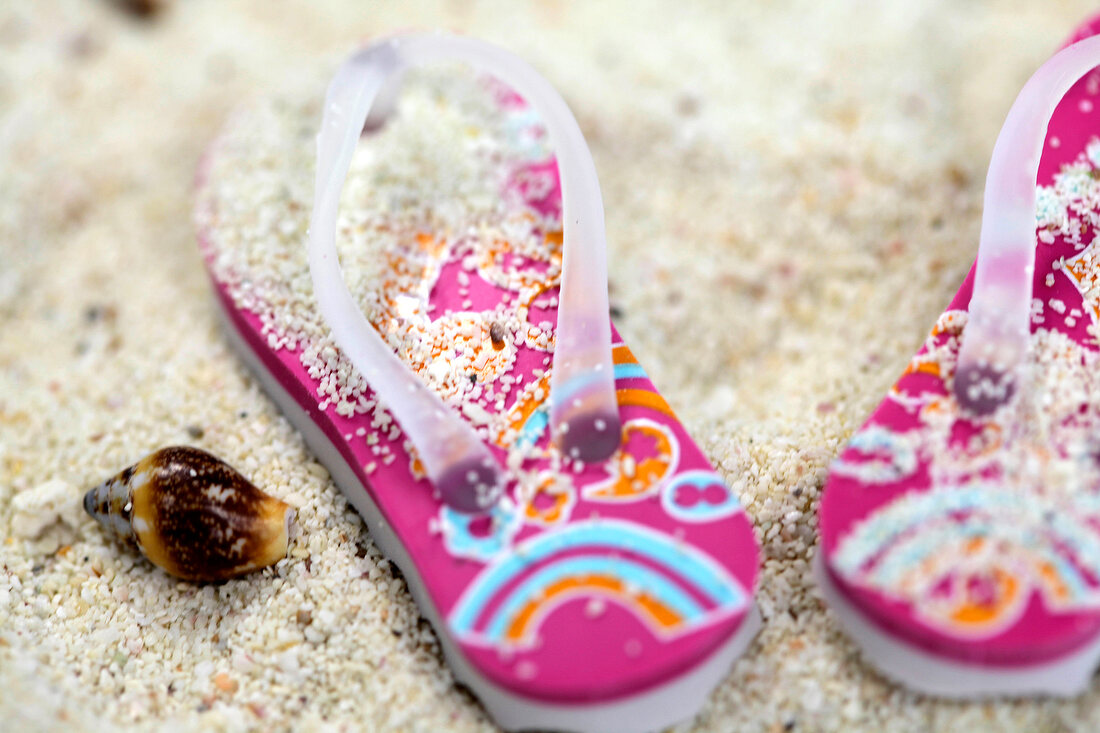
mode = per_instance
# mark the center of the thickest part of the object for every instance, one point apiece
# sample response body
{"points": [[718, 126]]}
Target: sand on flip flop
{"points": [[793, 194]]}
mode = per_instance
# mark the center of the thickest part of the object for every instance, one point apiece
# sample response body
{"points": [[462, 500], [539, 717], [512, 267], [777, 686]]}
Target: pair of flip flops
{"points": [[443, 344]]}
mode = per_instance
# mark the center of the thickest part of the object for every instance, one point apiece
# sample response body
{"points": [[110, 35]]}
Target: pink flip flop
{"points": [[960, 528], [583, 564]]}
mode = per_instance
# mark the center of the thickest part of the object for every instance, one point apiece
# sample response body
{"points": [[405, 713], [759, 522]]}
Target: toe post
{"points": [[591, 436], [471, 486], [981, 389]]}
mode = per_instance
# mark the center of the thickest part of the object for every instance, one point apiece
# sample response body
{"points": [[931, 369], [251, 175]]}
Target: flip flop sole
{"points": [[615, 595], [952, 583]]}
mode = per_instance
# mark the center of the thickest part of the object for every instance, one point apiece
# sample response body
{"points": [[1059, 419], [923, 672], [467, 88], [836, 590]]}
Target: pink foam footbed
{"points": [[609, 589], [884, 521]]}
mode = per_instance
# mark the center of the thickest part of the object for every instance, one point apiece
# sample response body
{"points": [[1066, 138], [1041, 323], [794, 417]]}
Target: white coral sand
{"points": [[793, 194]]}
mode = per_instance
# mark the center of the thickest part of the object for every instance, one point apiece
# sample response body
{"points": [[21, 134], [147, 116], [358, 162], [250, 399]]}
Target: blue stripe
{"points": [[629, 371], [533, 428]]}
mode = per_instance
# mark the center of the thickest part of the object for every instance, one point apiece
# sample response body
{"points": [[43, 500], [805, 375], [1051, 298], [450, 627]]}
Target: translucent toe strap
{"points": [[584, 410], [996, 337]]}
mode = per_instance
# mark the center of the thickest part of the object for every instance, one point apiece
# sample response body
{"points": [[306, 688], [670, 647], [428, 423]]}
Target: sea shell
{"points": [[193, 515]]}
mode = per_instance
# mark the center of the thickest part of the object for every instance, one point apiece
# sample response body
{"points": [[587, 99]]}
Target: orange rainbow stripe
{"points": [[660, 614]]}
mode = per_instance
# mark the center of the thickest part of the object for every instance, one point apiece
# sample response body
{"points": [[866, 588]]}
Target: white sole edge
{"points": [[672, 702], [932, 674]]}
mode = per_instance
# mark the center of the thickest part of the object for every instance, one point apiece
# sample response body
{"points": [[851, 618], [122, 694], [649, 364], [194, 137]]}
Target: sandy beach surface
{"points": [[793, 193]]}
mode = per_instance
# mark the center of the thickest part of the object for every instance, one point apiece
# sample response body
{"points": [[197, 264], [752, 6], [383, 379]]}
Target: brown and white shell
{"points": [[193, 515]]}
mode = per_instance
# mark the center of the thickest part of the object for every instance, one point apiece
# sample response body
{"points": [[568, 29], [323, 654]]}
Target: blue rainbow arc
{"points": [[654, 591]]}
